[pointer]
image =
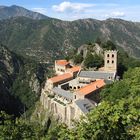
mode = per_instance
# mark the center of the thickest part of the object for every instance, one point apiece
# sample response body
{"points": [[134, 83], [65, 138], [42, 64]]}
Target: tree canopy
{"points": [[109, 45], [117, 117], [93, 60]]}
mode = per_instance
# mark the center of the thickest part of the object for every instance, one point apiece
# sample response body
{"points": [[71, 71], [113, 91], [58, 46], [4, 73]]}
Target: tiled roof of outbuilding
{"points": [[91, 87], [74, 69], [62, 62], [60, 78]]}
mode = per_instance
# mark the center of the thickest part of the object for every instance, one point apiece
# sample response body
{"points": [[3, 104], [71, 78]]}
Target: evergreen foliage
{"points": [[109, 45], [98, 41], [23, 90], [34, 38], [93, 60], [125, 62], [78, 59], [118, 115], [18, 129], [18, 80]]}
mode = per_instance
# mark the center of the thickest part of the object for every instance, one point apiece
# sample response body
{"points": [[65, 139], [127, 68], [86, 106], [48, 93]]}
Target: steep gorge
{"points": [[19, 81]]}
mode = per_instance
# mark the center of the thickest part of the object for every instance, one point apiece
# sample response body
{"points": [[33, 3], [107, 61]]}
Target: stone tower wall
{"points": [[110, 60]]}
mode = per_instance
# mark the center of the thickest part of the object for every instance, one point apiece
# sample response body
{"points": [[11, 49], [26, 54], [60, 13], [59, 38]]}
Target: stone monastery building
{"points": [[72, 93]]}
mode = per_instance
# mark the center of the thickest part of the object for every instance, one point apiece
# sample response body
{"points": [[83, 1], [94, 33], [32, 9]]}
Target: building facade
{"points": [[73, 92]]}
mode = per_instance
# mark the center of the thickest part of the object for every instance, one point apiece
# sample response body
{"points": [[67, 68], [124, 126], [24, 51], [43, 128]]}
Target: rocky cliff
{"points": [[20, 82]]}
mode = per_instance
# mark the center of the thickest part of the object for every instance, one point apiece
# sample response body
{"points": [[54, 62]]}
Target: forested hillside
{"points": [[117, 117], [31, 44], [91, 56], [48, 39], [7, 12], [20, 82]]}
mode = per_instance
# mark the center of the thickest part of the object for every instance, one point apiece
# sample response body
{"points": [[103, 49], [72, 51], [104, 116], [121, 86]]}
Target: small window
{"points": [[112, 61], [62, 70], [113, 55], [107, 61], [107, 55], [74, 87]]}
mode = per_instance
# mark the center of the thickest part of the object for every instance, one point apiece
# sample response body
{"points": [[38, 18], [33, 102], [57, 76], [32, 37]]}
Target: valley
{"points": [[68, 80], [48, 39]]}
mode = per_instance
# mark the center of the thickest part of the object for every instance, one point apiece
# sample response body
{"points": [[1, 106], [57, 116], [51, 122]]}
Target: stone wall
{"points": [[63, 113], [60, 69], [110, 60]]}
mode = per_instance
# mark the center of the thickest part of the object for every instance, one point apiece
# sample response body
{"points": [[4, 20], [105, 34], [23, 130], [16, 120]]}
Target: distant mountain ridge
{"points": [[17, 11], [49, 39]]}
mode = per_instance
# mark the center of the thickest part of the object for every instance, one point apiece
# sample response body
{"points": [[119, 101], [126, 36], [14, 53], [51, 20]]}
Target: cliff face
{"points": [[9, 66], [20, 82]]}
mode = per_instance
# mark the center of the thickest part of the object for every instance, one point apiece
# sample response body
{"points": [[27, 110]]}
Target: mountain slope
{"points": [[20, 82], [17, 11], [46, 39]]}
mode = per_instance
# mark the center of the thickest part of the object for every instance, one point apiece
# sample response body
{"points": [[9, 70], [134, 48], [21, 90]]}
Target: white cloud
{"points": [[71, 7], [116, 14], [40, 10]]}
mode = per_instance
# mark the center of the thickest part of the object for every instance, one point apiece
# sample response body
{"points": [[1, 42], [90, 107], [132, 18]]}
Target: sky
{"points": [[79, 9]]}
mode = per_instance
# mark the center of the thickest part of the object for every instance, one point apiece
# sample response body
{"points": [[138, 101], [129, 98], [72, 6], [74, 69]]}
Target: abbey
{"points": [[72, 93]]}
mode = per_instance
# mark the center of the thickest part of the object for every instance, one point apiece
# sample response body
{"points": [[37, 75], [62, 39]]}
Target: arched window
{"points": [[113, 55], [107, 61], [107, 55], [112, 61]]}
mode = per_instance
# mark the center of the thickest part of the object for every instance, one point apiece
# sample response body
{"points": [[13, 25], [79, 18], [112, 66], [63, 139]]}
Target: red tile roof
{"points": [[60, 78], [91, 87], [62, 62], [74, 69]]}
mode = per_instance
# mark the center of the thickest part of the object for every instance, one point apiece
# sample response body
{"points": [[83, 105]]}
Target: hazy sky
{"points": [[75, 9]]}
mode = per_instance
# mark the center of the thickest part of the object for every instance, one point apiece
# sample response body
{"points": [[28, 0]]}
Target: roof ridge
{"points": [[91, 87], [61, 77]]}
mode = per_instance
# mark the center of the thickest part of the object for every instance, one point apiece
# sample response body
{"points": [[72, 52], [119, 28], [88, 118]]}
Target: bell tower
{"points": [[110, 60]]}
